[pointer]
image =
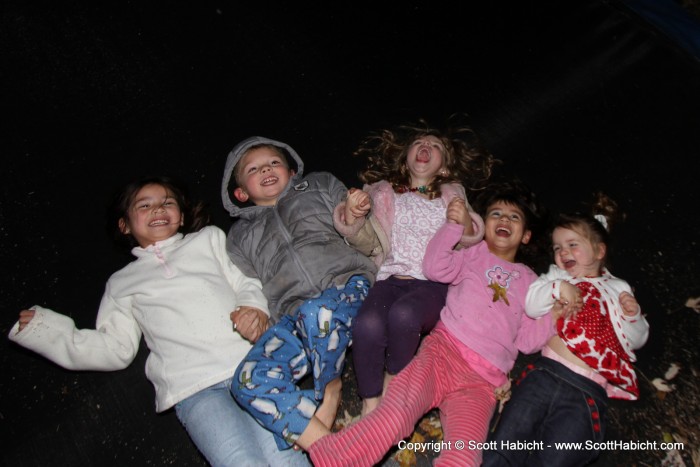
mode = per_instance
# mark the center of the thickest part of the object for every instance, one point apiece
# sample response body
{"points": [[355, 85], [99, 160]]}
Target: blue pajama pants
{"points": [[314, 340]]}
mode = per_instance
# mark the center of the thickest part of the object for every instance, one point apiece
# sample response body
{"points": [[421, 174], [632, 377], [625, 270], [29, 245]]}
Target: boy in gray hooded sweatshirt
{"points": [[284, 235]]}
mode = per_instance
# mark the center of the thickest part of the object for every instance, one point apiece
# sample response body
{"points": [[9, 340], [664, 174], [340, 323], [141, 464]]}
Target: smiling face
{"points": [[425, 159], [576, 254], [505, 230], [262, 175], [153, 215]]}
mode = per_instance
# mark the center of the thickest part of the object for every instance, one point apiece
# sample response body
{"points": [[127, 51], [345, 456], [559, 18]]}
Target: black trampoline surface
{"points": [[573, 97]]}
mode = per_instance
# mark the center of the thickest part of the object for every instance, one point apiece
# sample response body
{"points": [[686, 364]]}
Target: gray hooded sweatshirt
{"points": [[292, 247]]}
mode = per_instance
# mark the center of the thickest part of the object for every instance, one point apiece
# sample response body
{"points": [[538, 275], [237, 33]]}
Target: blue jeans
{"points": [[227, 435], [314, 340], [552, 404]]}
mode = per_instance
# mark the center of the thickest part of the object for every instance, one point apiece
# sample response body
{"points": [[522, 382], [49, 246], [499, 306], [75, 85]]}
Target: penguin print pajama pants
{"points": [[314, 340]]}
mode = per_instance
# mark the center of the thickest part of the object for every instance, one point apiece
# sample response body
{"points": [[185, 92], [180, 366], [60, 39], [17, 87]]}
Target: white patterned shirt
{"points": [[416, 220]]}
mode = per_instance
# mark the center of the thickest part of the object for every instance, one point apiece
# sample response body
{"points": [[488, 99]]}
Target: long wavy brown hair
{"points": [[467, 161]]}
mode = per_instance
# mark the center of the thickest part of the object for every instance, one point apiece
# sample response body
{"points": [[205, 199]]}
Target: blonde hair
{"points": [[238, 167]]}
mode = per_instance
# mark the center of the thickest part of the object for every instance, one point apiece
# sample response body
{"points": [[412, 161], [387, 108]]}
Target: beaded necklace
{"points": [[423, 189]]}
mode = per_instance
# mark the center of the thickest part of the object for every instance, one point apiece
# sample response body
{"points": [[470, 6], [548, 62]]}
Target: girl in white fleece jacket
{"points": [[181, 293]]}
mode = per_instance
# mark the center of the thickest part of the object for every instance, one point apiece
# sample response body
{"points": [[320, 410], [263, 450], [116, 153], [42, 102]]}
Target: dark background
{"points": [[572, 96]]}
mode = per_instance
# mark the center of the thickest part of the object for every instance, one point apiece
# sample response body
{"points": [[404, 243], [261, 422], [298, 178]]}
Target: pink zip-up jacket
{"points": [[485, 307], [373, 238]]}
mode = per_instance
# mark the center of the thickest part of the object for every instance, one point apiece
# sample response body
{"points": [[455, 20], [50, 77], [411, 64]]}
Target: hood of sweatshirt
{"points": [[228, 184]]}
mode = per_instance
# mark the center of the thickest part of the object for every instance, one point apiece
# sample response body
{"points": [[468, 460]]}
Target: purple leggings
{"points": [[389, 326]]}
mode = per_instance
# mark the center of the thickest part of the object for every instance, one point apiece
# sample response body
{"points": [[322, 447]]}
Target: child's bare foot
{"points": [[328, 409], [314, 431], [369, 405]]}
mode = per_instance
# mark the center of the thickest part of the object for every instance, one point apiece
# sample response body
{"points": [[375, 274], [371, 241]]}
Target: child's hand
{"points": [[25, 316], [250, 322], [629, 304], [502, 394], [569, 302], [357, 204], [457, 212]]}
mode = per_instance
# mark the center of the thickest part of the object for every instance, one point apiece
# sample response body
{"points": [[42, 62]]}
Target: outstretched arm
{"points": [[113, 345], [25, 316]]}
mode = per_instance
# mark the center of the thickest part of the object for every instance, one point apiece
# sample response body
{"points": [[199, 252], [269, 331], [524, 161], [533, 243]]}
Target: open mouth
{"points": [[568, 264], [158, 222], [423, 155], [503, 232], [269, 181]]}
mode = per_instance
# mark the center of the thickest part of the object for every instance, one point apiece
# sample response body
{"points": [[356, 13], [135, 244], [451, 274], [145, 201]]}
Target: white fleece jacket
{"points": [[179, 294], [631, 331]]}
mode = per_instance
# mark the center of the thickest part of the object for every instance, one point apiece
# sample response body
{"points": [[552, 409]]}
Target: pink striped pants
{"points": [[436, 377]]}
